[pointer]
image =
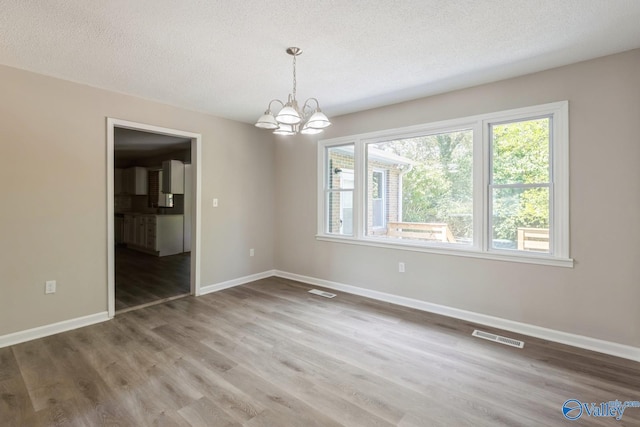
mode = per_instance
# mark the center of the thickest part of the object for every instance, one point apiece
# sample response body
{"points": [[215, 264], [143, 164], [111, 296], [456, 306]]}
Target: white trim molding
{"points": [[52, 329], [236, 282], [458, 251], [574, 340], [196, 223]]}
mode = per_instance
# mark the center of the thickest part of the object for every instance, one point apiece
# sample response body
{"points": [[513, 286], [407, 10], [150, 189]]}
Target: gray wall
{"points": [[54, 204], [597, 298], [53, 216]]}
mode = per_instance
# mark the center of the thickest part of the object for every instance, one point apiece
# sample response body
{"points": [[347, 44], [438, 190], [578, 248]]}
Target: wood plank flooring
{"points": [[143, 279], [270, 354]]}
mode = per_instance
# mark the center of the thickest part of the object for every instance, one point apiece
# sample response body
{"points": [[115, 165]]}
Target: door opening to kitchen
{"points": [[152, 205]]}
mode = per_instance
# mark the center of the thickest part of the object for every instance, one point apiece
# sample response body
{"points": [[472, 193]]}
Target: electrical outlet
{"points": [[252, 252], [401, 267], [50, 287]]}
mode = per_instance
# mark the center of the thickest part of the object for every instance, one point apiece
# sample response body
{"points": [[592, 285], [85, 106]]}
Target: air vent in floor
{"points": [[498, 338], [322, 293]]}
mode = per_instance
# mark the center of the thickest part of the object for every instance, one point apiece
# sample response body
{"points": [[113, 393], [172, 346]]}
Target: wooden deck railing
{"points": [[533, 239], [529, 239], [420, 230]]}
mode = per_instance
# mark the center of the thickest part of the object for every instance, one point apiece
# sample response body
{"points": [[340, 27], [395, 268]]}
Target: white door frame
{"points": [[196, 150]]}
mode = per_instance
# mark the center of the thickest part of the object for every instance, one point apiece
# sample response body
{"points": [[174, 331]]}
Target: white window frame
{"points": [[481, 246]]}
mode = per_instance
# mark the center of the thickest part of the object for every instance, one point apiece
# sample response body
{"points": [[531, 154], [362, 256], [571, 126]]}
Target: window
{"points": [[520, 185], [491, 186], [429, 195]]}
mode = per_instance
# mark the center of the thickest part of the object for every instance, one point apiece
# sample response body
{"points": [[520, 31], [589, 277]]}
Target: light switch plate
{"points": [[50, 287]]}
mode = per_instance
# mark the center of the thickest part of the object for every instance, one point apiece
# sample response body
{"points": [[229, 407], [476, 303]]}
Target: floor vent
{"points": [[322, 293], [498, 338]]}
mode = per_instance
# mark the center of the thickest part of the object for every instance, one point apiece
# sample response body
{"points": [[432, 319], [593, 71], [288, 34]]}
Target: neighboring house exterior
{"points": [[384, 189]]}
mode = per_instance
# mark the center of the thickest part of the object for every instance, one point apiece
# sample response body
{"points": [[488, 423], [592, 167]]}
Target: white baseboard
{"points": [[580, 341], [236, 282], [67, 325], [54, 328]]}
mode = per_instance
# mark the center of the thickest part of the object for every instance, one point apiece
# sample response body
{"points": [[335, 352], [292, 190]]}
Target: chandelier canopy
{"points": [[291, 119]]}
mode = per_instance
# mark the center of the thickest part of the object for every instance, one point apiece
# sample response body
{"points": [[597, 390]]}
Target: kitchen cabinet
{"points": [[135, 181], [141, 230], [168, 239], [129, 230], [159, 235], [172, 177]]}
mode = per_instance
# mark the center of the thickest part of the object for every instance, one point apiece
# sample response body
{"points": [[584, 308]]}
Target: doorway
{"points": [[153, 233]]}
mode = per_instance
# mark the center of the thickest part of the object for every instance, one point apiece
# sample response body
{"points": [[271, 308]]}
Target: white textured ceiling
{"points": [[228, 58]]}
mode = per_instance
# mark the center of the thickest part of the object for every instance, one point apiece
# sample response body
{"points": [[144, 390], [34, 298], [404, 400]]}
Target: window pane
{"points": [[521, 219], [378, 185], [378, 198], [340, 167], [422, 188], [340, 218], [520, 152]]}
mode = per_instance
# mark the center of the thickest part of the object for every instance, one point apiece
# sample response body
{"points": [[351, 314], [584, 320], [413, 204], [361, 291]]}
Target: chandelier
{"points": [[292, 119]]}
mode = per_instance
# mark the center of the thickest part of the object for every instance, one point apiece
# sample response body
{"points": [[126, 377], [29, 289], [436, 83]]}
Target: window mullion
{"points": [[358, 190], [482, 160], [521, 185]]}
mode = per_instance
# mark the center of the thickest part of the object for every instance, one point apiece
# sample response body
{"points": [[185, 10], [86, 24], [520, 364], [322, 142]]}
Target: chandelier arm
{"points": [[306, 104], [275, 100]]}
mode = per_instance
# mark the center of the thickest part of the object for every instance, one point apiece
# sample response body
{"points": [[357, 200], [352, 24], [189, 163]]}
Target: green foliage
{"points": [[515, 208], [521, 152], [520, 155], [439, 186]]}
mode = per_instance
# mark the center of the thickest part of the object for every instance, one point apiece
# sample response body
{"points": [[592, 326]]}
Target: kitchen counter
{"points": [[156, 234]]}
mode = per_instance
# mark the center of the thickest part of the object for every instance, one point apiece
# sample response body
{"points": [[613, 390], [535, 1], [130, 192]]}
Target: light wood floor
{"points": [[271, 354], [142, 278]]}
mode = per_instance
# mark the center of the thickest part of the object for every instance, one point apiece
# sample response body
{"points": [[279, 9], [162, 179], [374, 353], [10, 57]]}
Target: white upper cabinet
{"points": [[173, 177]]}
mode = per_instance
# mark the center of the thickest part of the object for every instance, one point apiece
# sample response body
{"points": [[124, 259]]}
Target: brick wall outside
{"points": [[338, 162]]}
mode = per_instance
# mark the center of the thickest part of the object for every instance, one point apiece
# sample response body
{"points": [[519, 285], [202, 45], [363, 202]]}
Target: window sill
{"points": [[458, 251]]}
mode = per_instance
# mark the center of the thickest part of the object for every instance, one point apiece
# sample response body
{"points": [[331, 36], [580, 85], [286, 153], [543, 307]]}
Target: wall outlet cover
{"points": [[50, 287]]}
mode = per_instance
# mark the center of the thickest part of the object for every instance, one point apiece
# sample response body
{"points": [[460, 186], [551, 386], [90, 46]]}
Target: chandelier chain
{"points": [[294, 77]]}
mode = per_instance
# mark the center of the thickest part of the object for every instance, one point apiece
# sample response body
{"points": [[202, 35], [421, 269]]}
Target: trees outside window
{"points": [[437, 185]]}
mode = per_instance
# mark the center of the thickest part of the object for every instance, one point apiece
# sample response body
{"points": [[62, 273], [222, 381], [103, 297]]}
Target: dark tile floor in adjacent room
{"points": [[142, 278]]}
